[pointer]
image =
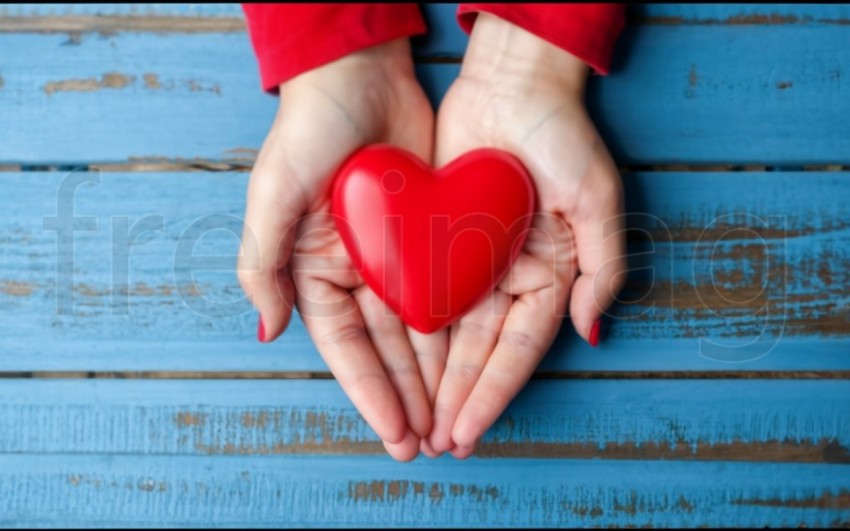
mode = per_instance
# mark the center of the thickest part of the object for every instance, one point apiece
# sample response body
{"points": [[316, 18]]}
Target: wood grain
{"points": [[181, 97], [752, 421], [727, 273], [103, 490]]}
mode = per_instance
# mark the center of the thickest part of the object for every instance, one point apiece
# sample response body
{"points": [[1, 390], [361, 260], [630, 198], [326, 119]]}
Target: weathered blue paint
{"points": [[707, 253], [442, 14], [740, 271], [698, 111], [754, 420], [105, 490]]}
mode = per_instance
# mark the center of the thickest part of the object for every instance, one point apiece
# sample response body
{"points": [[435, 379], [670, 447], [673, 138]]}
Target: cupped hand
{"points": [[519, 93], [291, 253]]}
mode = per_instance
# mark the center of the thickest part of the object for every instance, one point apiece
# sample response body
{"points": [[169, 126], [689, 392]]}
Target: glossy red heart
{"points": [[431, 243]]}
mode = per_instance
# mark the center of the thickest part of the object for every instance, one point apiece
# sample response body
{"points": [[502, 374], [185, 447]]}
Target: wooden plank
{"points": [[729, 271], [103, 490], [751, 421], [679, 94], [443, 14], [740, 14]]}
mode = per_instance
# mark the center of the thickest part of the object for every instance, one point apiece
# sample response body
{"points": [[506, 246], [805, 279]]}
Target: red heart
{"points": [[431, 243]]}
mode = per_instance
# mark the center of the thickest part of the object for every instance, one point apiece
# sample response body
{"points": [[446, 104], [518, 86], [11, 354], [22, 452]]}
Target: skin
{"points": [[519, 93], [438, 392], [291, 254]]}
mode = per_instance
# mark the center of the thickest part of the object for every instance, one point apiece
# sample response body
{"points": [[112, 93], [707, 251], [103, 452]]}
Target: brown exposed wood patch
{"points": [[752, 19], [321, 440], [188, 419], [151, 81], [827, 500], [109, 80], [109, 24], [825, 451], [17, 288], [393, 490], [630, 504], [782, 85]]}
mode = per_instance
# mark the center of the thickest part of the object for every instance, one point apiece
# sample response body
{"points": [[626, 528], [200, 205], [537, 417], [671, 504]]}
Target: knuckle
{"points": [[398, 371], [476, 328], [466, 373], [520, 341], [342, 335], [367, 380]]}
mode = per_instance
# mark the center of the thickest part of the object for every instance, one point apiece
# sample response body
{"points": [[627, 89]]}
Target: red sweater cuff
{"points": [[588, 31], [290, 39]]}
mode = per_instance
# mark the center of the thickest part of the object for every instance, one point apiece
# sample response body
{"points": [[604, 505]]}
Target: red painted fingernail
{"points": [[261, 331], [594, 334]]}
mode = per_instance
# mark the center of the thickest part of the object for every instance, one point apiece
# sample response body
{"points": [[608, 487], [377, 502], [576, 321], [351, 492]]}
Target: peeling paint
{"points": [[195, 86], [117, 80], [17, 288], [399, 490], [752, 19], [151, 81], [782, 85], [110, 24], [185, 419], [109, 80], [827, 500]]}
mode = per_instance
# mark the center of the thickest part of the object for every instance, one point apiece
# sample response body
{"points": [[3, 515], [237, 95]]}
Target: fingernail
{"points": [[462, 452], [261, 331], [594, 334]]}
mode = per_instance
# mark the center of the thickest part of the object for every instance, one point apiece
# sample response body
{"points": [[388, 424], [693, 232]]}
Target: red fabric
{"points": [[588, 31], [289, 39]]}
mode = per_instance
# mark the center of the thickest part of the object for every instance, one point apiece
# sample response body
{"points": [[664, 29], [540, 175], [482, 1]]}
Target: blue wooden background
{"points": [[133, 392]]}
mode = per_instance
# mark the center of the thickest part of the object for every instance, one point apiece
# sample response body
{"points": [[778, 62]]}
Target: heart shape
{"points": [[431, 244]]}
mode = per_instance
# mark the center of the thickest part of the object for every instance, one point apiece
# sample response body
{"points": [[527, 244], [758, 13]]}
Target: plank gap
{"points": [[324, 375], [111, 24], [246, 165]]}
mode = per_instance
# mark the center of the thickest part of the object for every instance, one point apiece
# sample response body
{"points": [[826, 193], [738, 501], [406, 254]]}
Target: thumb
{"points": [[599, 229], [275, 204]]}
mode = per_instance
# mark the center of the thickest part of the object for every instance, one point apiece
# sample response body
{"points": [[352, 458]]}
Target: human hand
{"points": [[292, 253], [519, 93]]}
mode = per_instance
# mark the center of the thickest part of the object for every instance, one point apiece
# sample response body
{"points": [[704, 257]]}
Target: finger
{"points": [[527, 274], [599, 232], [474, 337], [274, 204], [406, 450], [528, 331], [462, 452], [336, 325], [425, 448], [431, 353], [393, 347]]}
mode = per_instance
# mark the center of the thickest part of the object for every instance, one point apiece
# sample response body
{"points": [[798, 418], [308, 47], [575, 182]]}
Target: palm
{"points": [[496, 347], [324, 117]]}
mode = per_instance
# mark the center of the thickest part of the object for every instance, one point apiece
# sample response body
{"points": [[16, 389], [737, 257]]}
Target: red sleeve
{"points": [[289, 39], [588, 31]]}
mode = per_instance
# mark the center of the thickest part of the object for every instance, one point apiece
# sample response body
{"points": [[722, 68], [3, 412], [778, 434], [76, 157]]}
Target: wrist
{"points": [[381, 63], [503, 52]]}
